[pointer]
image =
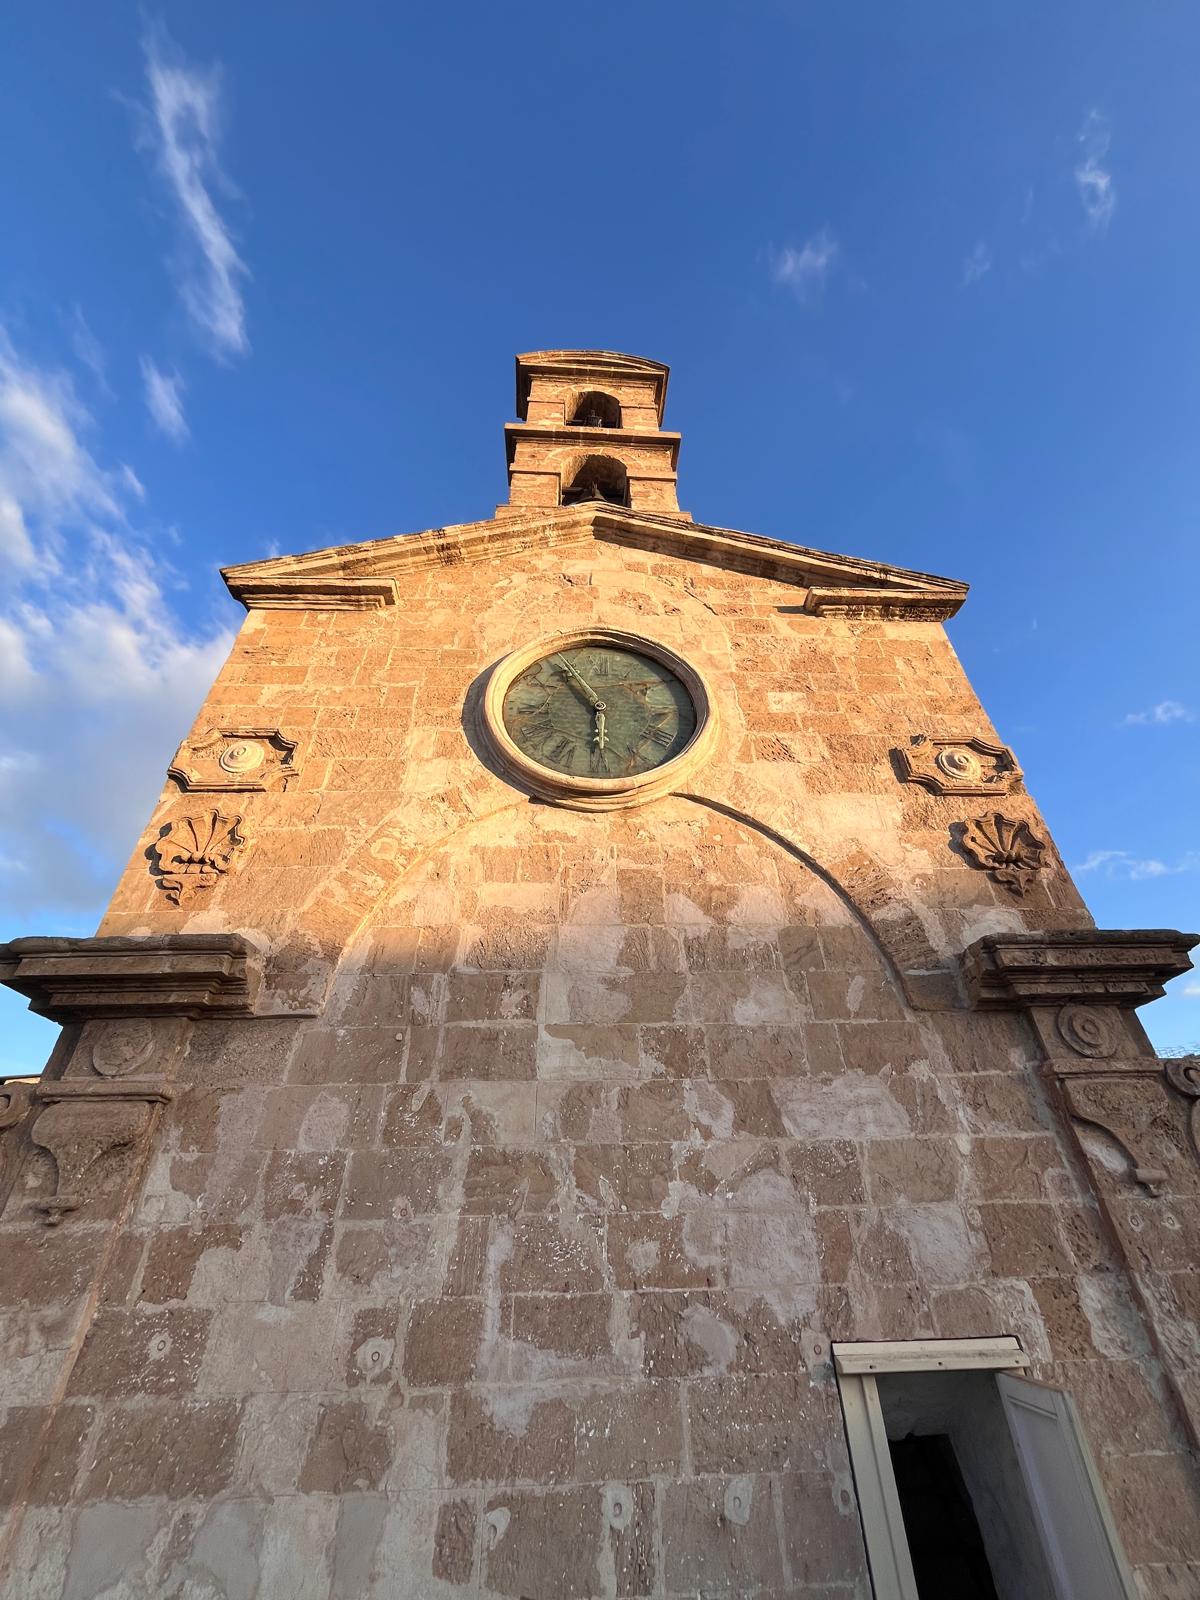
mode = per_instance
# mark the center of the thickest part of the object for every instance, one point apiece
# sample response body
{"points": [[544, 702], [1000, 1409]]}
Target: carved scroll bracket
{"points": [[84, 1120], [16, 1097], [1123, 1099], [1183, 1074], [1079, 989], [138, 999]]}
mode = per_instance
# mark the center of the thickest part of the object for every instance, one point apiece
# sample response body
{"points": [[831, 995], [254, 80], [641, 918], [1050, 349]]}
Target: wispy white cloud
{"points": [[977, 265], [164, 400], [185, 113], [1160, 715], [88, 349], [97, 672], [1191, 990], [1092, 178], [1123, 864], [805, 271], [50, 484]]}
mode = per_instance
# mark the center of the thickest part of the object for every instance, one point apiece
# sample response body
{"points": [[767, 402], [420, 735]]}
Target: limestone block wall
{"points": [[383, 705], [501, 1254]]}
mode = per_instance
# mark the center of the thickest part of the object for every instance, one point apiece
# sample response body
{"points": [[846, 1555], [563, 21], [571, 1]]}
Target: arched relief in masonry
{"points": [[302, 970], [676, 913]]}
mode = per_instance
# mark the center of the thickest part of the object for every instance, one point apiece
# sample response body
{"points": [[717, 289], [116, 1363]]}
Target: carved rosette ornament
{"points": [[195, 852], [959, 766], [235, 760], [1087, 1031], [123, 1047], [1006, 848]]}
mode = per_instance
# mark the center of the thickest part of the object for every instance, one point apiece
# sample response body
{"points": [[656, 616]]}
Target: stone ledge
{"points": [[896, 605], [316, 593], [1114, 966], [175, 974], [152, 1091]]}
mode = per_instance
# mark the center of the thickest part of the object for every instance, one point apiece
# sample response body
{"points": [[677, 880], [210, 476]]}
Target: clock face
{"points": [[599, 711]]}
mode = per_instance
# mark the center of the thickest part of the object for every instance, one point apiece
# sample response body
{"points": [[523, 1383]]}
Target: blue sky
{"points": [[926, 277]]}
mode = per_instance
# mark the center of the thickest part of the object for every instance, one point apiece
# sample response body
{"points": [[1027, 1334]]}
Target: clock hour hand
{"points": [[601, 736]]}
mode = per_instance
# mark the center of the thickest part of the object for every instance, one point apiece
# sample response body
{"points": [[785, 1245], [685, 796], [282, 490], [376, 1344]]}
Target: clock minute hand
{"points": [[593, 697]]}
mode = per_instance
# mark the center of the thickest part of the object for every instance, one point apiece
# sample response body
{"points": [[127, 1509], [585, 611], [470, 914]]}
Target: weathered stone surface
{"points": [[706, 1550], [172, 1450]]}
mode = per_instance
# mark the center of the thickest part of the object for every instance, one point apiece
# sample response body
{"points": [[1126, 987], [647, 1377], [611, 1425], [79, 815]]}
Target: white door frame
{"points": [[857, 1366], [1070, 1510]]}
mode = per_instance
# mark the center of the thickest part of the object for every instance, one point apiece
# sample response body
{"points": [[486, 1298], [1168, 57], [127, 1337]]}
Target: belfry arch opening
{"points": [[595, 409], [597, 478]]}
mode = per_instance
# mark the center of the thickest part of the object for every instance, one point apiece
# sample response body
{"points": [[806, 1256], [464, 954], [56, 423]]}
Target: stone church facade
{"points": [[460, 1176]]}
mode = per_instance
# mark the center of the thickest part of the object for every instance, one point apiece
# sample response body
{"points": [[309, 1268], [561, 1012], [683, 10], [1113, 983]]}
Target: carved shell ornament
{"points": [[194, 852], [1008, 849]]}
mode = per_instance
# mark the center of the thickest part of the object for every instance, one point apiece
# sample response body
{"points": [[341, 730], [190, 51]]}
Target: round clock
{"points": [[598, 718]]}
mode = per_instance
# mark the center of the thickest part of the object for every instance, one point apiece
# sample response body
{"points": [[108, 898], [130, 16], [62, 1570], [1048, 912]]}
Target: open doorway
{"points": [[970, 1527], [972, 1481]]}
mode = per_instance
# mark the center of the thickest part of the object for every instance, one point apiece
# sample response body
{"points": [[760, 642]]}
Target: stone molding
{"points": [[235, 760], [316, 593], [341, 576], [958, 766], [175, 974], [597, 794], [1122, 967], [888, 605]]}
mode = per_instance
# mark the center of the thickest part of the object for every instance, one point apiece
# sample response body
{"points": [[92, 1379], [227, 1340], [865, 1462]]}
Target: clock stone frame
{"points": [[597, 794]]}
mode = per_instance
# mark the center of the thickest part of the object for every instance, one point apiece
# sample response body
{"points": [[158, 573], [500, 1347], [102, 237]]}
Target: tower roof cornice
{"points": [[587, 366]]}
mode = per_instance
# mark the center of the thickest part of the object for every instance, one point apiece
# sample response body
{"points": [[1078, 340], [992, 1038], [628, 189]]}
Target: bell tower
{"points": [[591, 429]]}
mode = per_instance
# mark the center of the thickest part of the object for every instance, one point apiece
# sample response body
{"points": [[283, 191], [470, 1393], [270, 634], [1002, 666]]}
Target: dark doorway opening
{"points": [[944, 1540]]}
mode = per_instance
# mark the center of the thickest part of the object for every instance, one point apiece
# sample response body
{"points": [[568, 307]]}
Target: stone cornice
{"points": [[583, 365], [1122, 967], [315, 593], [175, 974], [599, 440], [844, 585], [927, 605]]}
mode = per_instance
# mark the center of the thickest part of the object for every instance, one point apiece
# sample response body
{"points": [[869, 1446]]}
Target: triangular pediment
{"points": [[368, 574]]}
